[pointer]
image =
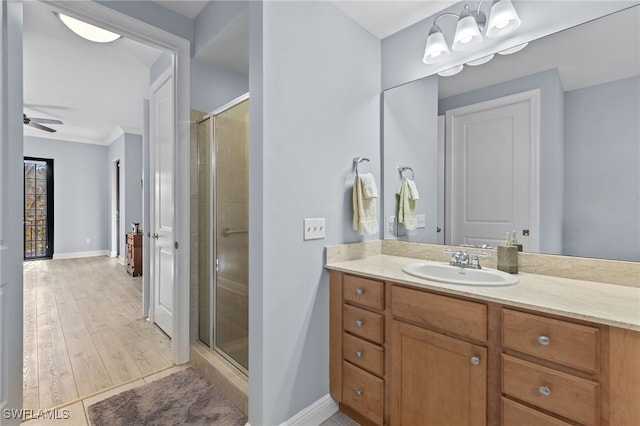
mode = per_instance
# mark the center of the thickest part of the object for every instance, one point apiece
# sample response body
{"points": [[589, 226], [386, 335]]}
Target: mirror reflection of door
{"points": [[38, 208], [493, 173]]}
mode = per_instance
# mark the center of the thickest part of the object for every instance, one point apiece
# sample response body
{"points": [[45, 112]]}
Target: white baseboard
{"points": [[314, 414], [78, 254], [113, 254]]}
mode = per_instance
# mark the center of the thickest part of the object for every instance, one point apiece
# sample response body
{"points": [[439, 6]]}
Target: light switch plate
{"points": [[314, 228], [390, 226], [422, 221]]}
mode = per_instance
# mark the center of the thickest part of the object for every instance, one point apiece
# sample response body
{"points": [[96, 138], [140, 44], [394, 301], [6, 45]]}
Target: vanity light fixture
{"points": [[513, 49], [481, 61], [451, 71], [503, 20], [87, 31]]}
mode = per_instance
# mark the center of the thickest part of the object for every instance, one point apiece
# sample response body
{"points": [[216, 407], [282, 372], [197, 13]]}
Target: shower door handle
{"points": [[217, 263]]}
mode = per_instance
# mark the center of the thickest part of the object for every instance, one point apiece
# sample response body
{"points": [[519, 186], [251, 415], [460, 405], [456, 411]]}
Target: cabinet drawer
{"points": [[363, 323], [364, 291], [461, 317], [563, 342], [363, 354], [569, 396], [514, 414], [363, 392]]}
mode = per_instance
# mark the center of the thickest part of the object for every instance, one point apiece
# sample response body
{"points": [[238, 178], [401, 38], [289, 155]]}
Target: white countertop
{"points": [[608, 304]]}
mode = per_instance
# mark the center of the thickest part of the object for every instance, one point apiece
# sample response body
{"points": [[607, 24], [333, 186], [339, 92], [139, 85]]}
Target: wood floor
{"points": [[84, 331]]}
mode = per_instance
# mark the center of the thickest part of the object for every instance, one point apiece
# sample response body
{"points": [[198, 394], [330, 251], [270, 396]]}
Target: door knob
{"points": [[154, 236]]}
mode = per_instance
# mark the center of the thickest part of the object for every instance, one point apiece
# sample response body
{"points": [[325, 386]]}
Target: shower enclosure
{"points": [[223, 231]]}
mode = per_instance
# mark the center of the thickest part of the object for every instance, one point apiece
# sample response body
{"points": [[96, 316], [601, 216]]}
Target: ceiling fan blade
{"points": [[46, 120], [41, 127]]}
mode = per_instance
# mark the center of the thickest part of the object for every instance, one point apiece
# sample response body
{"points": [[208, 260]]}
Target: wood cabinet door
{"points": [[436, 380]]}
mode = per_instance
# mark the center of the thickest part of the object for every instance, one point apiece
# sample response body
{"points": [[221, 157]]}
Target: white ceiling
{"points": [[385, 17], [95, 89]]}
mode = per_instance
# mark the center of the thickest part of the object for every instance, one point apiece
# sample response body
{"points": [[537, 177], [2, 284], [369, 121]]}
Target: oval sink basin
{"points": [[457, 275]]}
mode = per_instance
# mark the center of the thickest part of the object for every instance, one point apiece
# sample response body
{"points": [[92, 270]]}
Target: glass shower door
{"points": [[231, 218]]}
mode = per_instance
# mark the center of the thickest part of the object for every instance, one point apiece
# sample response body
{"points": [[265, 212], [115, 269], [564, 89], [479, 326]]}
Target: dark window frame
{"points": [[49, 179]]}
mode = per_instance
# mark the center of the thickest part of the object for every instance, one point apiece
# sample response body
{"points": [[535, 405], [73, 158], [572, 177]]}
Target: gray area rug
{"points": [[183, 398]]}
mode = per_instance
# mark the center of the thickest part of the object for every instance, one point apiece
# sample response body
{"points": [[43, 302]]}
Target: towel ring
{"points": [[404, 169], [357, 161]]}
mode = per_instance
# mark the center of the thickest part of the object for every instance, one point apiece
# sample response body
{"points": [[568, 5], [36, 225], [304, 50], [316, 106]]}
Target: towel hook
{"points": [[404, 169], [357, 161]]}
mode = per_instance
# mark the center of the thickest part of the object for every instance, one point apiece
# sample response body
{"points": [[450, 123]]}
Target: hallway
{"points": [[84, 331]]}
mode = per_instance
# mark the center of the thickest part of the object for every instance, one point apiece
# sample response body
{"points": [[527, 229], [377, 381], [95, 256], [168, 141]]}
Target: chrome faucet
{"points": [[461, 259]]}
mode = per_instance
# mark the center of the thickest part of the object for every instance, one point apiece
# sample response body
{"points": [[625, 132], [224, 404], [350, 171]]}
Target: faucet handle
{"points": [[475, 261]]}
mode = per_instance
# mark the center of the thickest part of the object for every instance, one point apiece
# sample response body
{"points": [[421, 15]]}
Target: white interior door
{"points": [[492, 151], [162, 204], [11, 210]]}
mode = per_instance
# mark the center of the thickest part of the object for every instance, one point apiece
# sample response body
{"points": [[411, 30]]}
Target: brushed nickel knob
{"points": [[358, 354], [475, 360], [544, 340], [359, 323], [544, 390], [359, 392], [359, 291]]}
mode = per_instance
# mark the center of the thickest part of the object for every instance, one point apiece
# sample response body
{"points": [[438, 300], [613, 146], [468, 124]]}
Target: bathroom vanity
{"points": [[546, 351]]}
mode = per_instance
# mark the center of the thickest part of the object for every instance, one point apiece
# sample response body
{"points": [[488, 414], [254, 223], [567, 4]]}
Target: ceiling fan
{"points": [[37, 122]]}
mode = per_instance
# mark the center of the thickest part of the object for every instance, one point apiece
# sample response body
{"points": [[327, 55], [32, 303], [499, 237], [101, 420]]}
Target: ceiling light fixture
{"points": [[88, 31], [503, 20]]}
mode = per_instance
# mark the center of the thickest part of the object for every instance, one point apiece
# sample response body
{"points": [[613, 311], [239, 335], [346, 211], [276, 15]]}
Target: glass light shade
{"points": [[451, 71], [88, 31], [436, 48], [503, 19], [513, 49], [481, 61], [467, 34]]}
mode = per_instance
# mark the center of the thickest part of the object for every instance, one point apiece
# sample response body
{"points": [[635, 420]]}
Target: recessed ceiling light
{"points": [[451, 71], [88, 31]]}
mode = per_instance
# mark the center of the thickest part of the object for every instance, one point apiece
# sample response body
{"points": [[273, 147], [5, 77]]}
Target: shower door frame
{"points": [[214, 232]]}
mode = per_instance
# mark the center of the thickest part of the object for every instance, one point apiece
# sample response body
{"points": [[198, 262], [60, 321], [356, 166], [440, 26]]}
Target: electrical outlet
{"points": [[314, 228], [422, 221], [390, 226]]}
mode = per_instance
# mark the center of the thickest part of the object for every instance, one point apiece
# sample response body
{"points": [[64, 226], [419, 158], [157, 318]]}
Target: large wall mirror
{"points": [[574, 97]]}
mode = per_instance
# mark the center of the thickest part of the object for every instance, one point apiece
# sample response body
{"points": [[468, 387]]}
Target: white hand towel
{"points": [[413, 190], [407, 209], [365, 219], [370, 190]]}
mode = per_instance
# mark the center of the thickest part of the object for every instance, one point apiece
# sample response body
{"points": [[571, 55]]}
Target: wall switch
{"points": [[422, 221], [314, 228]]}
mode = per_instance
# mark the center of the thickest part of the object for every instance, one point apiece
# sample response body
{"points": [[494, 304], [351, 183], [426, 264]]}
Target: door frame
{"points": [[531, 96], [130, 27]]}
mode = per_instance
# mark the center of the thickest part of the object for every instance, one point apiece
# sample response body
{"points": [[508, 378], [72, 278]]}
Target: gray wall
{"points": [[128, 149], [80, 193], [410, 138], [315, 104], [213, 86], [551, 145], [602, 174]]}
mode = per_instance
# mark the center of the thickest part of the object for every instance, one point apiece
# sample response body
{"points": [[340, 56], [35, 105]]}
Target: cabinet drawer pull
{"points": [[359, 291], [475, 360], [544, 340], [358, 354], [544, 390], [359, 323], [359, 392]]}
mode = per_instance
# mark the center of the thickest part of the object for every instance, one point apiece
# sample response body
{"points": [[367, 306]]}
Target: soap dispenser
{"points": [[508, 256], [514, 241]]}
